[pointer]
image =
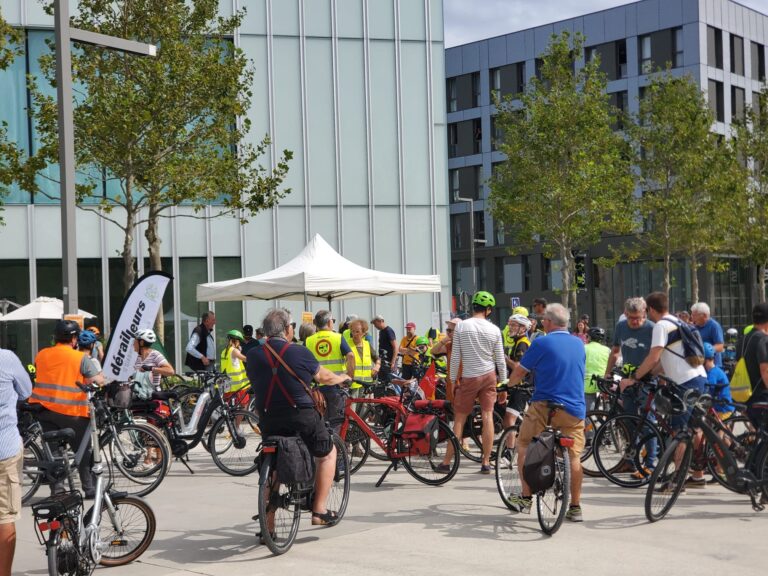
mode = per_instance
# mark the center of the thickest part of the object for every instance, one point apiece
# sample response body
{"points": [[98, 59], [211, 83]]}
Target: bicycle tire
{"points": [[618, 449], [380, 419], [138, 525], [667, 480], [507, 474], [234, 442], [32, 476], [59, 563], [338, 497], [592, 422], [424, 467], [357, 445], [552, 504], [133, 468], [761, 469], [279, 500]]}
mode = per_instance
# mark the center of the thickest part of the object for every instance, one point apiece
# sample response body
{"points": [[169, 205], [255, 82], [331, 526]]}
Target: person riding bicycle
{"points": [[558, 363], [280, 373], [59, 368]]}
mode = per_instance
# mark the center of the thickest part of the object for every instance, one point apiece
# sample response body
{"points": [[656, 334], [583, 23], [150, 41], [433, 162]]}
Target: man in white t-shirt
{"points": [[669, 355]]}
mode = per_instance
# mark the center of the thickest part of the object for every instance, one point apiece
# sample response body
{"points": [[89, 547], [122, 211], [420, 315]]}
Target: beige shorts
{"points": [[10, 487], [535, 421]]}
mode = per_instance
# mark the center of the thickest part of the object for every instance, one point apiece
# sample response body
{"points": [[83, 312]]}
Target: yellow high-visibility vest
{"points": [[326, 347], [235, 369], [363, 365]]}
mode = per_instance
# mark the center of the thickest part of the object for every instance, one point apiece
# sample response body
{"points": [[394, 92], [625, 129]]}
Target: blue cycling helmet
{"points": [[86, 338], [709, 350]]}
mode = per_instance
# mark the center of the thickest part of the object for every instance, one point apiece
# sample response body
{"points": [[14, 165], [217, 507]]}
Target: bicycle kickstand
{"points": [[757, 506], [186, 464], [390, 467]]}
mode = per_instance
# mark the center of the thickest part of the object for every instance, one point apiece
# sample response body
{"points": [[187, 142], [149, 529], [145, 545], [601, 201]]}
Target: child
{"points": [[718, 385]]}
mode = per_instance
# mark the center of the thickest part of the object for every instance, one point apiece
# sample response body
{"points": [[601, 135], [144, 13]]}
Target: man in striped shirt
{"points": [[478, 347], [15, 385]]}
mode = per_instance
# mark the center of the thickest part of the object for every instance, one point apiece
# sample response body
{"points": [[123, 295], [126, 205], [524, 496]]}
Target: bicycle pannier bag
{"points": [[741, 387], [693, 345], [539, 467], [295, 464], [421, 430]]}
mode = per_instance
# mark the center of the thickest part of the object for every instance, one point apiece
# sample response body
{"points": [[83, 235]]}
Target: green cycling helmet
{"points": [[484, 299], [422, 341], [236, 335]]}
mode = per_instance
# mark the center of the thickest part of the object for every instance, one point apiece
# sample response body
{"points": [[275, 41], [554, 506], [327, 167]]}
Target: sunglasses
{"points": [[293, 325]]}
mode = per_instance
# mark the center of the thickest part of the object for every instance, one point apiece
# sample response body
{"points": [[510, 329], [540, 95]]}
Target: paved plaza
{"points": [[403, 527]]}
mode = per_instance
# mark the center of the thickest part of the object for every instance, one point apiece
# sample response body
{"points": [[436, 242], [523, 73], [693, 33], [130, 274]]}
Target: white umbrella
{"points": [[42, 308]]}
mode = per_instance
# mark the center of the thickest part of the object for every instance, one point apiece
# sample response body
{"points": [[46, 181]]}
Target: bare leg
{"points": [[577, 475], [7, 547], [487, 437], [326, 468], [458, 430]]}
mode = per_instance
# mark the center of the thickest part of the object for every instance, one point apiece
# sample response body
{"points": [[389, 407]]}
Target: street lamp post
{"points": [[63, 35], [472, 238]]}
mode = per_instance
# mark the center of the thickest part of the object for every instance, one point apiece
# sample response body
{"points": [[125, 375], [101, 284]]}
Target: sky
{"points": [[470, 20]]}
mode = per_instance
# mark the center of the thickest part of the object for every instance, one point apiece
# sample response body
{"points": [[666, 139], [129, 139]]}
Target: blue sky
{"points": [[470, 20]]}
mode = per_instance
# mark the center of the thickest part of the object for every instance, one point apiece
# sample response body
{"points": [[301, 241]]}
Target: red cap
{"points": [[411, 325]]}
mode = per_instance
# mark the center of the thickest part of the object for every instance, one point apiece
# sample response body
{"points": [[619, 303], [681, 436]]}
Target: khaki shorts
{"points": [[481, 387], [536, 420], [10, 487]]}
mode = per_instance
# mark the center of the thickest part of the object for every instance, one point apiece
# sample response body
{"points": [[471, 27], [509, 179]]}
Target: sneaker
{"points": [[520, 503], [574, 513], [641, 474], [485, 469], [442, 468], [692, 482]]}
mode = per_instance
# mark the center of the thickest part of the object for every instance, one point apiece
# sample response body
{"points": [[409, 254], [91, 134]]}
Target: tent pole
{"points": [[306, 302]]}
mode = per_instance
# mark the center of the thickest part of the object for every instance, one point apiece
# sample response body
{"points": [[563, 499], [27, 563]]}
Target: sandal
{"points": [[328, 519]]}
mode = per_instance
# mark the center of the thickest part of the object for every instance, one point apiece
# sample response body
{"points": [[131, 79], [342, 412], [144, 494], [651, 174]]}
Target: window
{"points": [[737, 55], [453, 184], [477, 136], [497, 134], [450, 94], [465, 182], [539, 67], [453, 140], [621, 59], [510, 275], [475, 89], [758, 61], [715, 47], [498, 233], [479, 217], [495, 82], [508, 80], [677, 48], [737, 103], [613, 58], [646, 62], [477, 172], [716, 100], [456, 235], [553, 279], [620, 101]]}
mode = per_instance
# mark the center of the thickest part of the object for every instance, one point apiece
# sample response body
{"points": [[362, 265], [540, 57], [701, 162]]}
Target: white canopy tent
{"points": [[42, 308], [317, 273]]}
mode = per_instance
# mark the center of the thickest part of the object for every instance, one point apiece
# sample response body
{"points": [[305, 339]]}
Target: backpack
{"points": [[295, 464], [693, 345], [539, 467]]}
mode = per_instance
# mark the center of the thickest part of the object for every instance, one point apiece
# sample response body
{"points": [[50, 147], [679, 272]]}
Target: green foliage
{"points": [[567, 178], [171, 129]]}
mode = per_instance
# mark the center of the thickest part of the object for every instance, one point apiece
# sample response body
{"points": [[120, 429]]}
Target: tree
{"points": [[685, 171], [749, 225], [171, 129], [567, 177]]}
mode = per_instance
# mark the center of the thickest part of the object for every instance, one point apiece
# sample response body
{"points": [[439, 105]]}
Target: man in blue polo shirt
{"points": [[710, 329], [558, 364]]}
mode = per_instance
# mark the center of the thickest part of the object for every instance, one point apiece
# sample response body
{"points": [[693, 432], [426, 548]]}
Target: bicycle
{"points": [[280, 505], [669, 477], [608, 405], [233, 439], [75, 540], [421, 452]]}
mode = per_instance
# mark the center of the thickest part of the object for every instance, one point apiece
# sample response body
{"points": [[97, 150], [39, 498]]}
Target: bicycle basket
{"points": [[668, 403], [119, 395]]}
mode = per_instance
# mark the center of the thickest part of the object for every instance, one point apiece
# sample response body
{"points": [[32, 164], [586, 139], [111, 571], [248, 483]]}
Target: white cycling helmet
{"points": [[522, 320], [147, 335]]}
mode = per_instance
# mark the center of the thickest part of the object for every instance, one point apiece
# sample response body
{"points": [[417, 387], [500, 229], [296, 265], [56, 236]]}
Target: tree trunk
{"points": [[761, 283], [566, 266], [129, 275], [155, 263], [694, 279]]}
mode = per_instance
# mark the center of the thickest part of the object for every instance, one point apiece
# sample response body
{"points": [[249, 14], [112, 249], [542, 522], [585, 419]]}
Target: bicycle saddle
{"points": [[555, 405], [164, 395], [66, 434]]}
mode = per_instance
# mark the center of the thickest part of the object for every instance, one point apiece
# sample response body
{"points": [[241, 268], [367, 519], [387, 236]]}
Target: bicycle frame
{"points": [[391, 402]]}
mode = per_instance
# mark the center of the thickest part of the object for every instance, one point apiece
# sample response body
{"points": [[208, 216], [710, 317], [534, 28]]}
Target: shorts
{"points": [[335, 404], [535, 421], [481, 387], [517, 398], [304, 422], [10, 487]]}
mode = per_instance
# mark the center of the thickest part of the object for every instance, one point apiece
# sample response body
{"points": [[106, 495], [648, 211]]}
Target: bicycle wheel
{"points": [[279, 511], [507, 474], [32, 476], [64, 558], [668, 479], [380, 419], [357, 446], [620, 448], [552, 504], [338, 497], [592, 423], [137, 457], [475, 432], [428, 468], [235, 442], [137, 530]]}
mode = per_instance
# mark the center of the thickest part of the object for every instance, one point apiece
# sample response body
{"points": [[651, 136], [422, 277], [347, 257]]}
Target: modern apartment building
{"points": [[720, 43], [355, 88]]}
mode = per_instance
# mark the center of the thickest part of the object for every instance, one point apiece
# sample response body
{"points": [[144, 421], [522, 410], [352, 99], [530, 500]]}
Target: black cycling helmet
{"points": [[596, 334], [65, 329]]}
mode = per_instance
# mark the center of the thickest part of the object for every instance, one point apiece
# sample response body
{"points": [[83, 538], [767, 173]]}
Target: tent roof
{"points": [[41, 308], [319, 273]]}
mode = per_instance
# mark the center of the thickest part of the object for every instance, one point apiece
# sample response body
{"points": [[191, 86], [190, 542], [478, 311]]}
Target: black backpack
{"points": [[539, 467], [693, 345]]}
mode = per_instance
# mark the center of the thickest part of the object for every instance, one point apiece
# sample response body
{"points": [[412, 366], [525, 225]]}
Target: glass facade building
{"points": [[355, 88]]}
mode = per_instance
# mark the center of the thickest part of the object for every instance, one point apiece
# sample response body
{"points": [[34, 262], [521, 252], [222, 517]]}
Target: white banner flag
{"points": [[139, 311]]}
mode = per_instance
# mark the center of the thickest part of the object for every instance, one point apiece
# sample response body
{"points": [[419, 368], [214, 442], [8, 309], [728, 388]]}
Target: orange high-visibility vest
{"points": [[58, 368]]}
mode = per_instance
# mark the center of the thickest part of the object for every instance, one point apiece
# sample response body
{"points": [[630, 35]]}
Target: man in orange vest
{"points": [[59, 367]]}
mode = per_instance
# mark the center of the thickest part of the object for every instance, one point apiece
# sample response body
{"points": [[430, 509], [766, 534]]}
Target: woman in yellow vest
{"points": [[367, 363], [233, 365]]}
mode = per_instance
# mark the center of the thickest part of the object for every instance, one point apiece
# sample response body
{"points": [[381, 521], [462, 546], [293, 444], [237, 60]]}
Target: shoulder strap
{"points": [[290, 371]]}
